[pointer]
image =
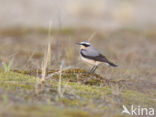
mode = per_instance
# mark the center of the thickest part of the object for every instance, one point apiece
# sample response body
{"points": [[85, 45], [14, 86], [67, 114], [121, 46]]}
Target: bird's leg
{"points": [[95, 67], [92, 69]]}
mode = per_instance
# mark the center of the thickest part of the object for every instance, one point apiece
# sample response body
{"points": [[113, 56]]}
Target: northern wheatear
{"points": [[92, 56]]}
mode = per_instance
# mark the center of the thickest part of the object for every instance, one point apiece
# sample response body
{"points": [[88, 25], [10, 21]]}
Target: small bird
{"points": [[92, 56]]}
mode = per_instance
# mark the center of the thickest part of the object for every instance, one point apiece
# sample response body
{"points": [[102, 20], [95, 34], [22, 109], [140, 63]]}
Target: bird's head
{"points": [[84, 45]]}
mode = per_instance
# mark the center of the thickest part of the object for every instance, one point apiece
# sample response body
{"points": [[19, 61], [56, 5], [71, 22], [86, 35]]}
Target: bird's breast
{"points": [[90, 61]]}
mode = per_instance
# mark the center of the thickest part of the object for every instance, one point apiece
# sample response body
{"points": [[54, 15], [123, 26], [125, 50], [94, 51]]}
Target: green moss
{"points": [[134, 97], [77, 96], [71, 102], [47, 111], [12, 80]]}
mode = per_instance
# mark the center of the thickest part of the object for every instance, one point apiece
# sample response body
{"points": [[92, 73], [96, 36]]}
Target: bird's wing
{"points": [[94, 54]]}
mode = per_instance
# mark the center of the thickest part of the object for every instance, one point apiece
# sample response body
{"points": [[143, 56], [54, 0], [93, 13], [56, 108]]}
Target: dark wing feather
{"points": [[94, 54]]}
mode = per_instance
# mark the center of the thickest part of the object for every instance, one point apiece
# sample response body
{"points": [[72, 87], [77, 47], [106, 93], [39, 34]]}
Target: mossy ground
{"points": [[82, 95], [23, 95]]}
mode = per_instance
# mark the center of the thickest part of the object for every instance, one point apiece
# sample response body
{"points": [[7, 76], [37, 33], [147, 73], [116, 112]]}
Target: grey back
{"points": [[91, 51]]}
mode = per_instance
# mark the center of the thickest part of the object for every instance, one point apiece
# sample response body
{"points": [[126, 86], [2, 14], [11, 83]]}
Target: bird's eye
{"points": [[86, 45]]}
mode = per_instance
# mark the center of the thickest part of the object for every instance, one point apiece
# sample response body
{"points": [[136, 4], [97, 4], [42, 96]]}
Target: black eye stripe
{"points": [[86, 45]]}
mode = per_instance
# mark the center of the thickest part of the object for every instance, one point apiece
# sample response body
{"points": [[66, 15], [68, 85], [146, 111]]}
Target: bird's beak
{"points": [[77, 43]]}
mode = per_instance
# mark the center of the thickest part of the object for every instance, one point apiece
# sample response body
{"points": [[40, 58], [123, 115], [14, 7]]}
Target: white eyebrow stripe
{"points": [[85, 43]]}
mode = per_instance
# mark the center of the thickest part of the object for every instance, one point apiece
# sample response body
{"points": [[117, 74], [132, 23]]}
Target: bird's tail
{"points": [[112, 64]]}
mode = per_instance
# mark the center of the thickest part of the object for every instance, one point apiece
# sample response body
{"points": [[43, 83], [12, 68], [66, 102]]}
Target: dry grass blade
{"points": [[61, 90], [60, 93], [47, 56], [44, 66], [45, 63], [49, 44], [91, 36]]}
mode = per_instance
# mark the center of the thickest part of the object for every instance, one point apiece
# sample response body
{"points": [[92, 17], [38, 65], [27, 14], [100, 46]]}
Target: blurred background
{"points": [[105, 14], [111, 26]]}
